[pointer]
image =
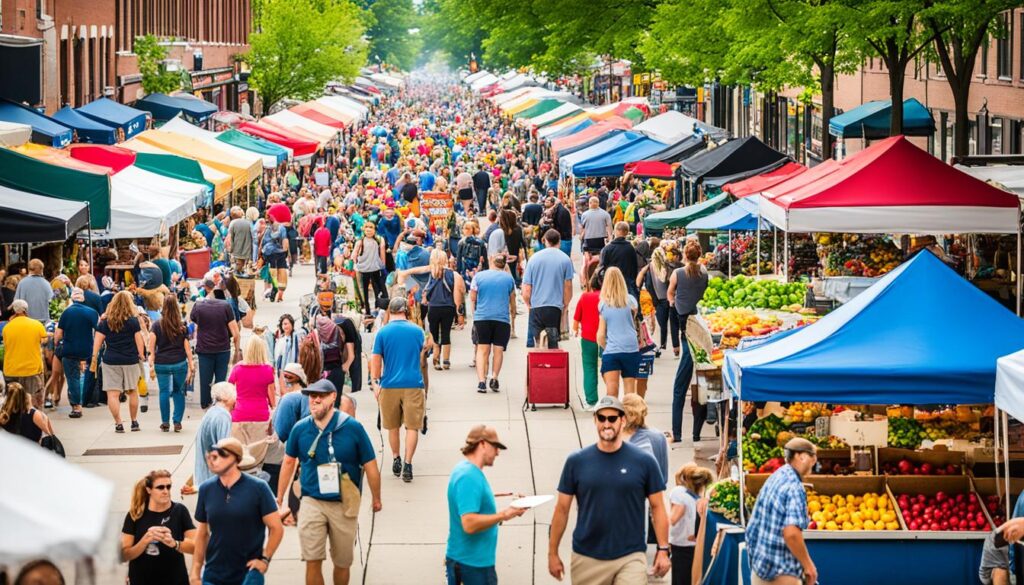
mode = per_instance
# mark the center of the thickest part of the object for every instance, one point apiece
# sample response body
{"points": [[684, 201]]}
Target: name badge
{"points": [[327, 476]]}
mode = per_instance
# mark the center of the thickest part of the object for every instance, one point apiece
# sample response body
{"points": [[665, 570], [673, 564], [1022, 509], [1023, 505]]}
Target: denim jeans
{"points": [[668, 320], [171, 378], [78, 388], [213, 367], [681, 384], [459, 574], [566, 246]]}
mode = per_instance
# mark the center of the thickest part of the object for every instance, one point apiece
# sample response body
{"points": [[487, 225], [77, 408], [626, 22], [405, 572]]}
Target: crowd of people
{"points": [[279, 443]]}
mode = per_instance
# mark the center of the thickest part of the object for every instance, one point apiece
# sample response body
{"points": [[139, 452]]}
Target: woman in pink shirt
{"points": [[253, 378]]}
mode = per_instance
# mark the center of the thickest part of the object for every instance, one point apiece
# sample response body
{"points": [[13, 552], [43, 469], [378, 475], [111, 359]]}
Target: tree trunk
{"points": [[828, 94], [961, 127], [896, 78]]}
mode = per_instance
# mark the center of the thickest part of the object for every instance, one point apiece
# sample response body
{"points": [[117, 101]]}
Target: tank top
{"points": [[689, 291], [441, 292], [369, 257], [24, 426]]}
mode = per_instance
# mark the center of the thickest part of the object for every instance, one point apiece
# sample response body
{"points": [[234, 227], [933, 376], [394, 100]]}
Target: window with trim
{"points": [[1004, 47], [983, 59]]}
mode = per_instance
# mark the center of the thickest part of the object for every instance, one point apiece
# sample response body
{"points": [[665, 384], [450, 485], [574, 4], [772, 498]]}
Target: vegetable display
{"points": [[905, 433], [741, 291], [725, 499]]}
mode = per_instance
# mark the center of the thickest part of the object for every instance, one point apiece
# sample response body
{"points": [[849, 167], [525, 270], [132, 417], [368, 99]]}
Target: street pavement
{"points": [[405, 542]]}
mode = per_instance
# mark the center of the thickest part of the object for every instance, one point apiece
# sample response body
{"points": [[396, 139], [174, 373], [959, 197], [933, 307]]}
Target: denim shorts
{"points": [[626, 363]]}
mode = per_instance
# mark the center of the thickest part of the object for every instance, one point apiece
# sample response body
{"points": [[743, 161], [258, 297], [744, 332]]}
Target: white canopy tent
{"points": [[1011, 177], [469, 79], [145, 204], [483, 82], [179, 126], [51, 508], [345, 105], [1010, 384], [670, 127], [508, 96], [13, 134]]}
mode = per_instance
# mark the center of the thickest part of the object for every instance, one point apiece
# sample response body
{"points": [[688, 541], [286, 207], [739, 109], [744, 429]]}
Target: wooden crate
{"points": [[930, 485], [934, 456]]}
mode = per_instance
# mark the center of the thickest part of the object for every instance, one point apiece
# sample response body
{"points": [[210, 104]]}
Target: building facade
{"points": [[71, 52]]}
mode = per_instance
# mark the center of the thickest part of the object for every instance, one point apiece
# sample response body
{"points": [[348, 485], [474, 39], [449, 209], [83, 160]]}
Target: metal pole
{"points": [[1006, 455], [757, 234], [88, 220], [728, 249], [785, 256], [1018, 289], [775, 250], [739, 445]]}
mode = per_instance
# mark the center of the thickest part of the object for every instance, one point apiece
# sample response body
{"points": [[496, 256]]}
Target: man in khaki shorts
{"points": [[397, 383], [610, 482], [23, 356], [335, 453]]}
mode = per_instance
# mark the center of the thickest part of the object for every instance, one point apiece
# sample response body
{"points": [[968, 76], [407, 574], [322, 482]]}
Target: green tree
{"points": [[959, 28], [454, 29], [300, 45], [155, 76], [391, 35]]}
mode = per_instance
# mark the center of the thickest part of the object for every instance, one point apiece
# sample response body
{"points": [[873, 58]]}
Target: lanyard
{"points": [[330, 441]]}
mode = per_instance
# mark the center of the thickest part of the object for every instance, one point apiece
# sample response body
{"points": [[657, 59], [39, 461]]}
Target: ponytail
{"points": [[140, 497]]}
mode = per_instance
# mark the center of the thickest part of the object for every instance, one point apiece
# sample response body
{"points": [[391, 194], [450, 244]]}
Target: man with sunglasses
{"points": [[334, 452], [610, 480], [473, 517], [775, 538], [233, 513]]}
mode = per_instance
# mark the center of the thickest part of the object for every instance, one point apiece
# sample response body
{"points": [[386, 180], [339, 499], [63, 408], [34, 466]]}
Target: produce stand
{"points": [[886, 347]]}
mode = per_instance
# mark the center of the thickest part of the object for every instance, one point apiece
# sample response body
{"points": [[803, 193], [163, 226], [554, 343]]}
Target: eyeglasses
{"points": [[612, 418], [220, 452], [165, 487]]}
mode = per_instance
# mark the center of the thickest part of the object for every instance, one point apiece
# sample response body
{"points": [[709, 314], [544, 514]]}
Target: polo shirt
{"points": [[352, 448], [77, 324], [291, 408], [23, 339], [400, 344], [235, 518]]}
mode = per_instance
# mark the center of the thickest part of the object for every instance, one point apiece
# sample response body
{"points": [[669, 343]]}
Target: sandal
{"points": [[447, 364], [437, 365]]}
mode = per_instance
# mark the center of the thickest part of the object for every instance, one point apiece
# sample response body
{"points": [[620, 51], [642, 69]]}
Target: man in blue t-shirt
{"points": [[610, 481], [492, 293], [547, 290], [473, 517], [334, 451], [232, 513], [396, 376], [74, 335]]}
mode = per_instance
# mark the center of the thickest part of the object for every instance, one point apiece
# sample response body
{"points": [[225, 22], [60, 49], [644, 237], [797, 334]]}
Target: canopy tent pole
{"points": [[1018, 264], [728, 250], [775, 250], [739, 445], [88, 216], [1006, 457], [757, 234]]}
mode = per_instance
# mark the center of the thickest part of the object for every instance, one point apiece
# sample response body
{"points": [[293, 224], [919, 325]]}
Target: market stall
{"points": [[612, 163], [128, 120], [45, 130], [732, 161], [27, 218], [680, 218], [167, 107], [888, 346], [169, 164], [86, 129], [301, 148], [242, 170], [24, 173], [872, 120], [265, 148]]}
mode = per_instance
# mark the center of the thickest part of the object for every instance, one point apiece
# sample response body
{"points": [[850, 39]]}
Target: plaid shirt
{"points": [[782, 502]]}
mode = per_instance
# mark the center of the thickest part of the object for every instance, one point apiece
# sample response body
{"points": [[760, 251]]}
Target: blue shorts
{"points": [[646, 367], [628, 364], [566, 246], [459, 574]]}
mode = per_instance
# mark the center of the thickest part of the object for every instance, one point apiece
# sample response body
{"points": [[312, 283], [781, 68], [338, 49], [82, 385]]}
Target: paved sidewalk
{"points": [[405, 542]]}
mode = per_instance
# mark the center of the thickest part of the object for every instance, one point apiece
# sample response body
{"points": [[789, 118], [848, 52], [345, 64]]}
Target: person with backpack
{"points": [[274, 247], [337, 351], [370, 260], [471, 254], [443, 295]]}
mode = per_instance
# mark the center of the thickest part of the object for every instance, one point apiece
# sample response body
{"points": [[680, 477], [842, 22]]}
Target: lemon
{"points": [[869, 525], [831, 525], [892, 525]]}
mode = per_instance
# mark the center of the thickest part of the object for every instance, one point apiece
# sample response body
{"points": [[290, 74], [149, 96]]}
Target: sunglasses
{"points": [[164, 488], [612, 418], [220, 452]]}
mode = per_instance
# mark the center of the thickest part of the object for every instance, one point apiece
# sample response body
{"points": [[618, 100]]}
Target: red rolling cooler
{"points": [[547, 378]]}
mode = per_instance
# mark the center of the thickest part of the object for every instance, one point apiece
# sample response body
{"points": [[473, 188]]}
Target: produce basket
{"points": [[949, 487], [850, 504]]}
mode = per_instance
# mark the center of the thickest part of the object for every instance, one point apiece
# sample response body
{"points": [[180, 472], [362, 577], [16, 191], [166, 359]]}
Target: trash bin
{"points": [[197, 262]]}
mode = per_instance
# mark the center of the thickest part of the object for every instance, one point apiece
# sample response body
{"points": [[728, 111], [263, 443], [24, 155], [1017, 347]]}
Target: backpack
{"points": [[474, 249], [333, 349], [440, 296]]}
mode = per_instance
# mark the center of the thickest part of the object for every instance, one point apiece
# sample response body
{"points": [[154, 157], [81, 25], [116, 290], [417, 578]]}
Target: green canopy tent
{"points": [[24, 173], [633, 114], [678, 218], [539, 108], [175, 167], [253, 144]]}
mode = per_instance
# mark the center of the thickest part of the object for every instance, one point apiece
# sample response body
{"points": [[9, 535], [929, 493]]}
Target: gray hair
{"points": [[224, 392], [252, 214]]}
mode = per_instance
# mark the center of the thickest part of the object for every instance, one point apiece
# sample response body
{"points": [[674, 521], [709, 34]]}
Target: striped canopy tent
{"points": [[242, 170], [223, 182]]}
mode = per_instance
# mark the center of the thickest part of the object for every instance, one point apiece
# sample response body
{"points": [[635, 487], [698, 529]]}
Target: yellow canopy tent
{"points": [[242, 172], [521, 106], [221, 181]]}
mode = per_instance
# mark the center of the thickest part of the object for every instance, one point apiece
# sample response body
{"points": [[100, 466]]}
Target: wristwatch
{"points": [[265, 560], [666, 549]]}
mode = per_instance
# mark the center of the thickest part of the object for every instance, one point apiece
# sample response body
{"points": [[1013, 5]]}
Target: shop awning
{"points": [[542, 107], [14, 134], [222, 182], [650, 169], [300, 148], [112, 157], [565, 126], [28, 218], [267, 149], [242, 171], [45, 130], [680, 151], [677, 218], [764, 181], [336, 111], [888, 345], [315, 112], [86, 129], [611, 164], [890, 187], [741, 215], [871, 120], [1009, 177], [519, 105], [60, 157], [24, 173], [180, 126], [165, 107], [734, 160], [181, 168], [129, 120], [292, 121]]}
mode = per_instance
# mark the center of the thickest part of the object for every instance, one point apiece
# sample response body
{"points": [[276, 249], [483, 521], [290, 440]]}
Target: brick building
{"points": [[70, 52]]}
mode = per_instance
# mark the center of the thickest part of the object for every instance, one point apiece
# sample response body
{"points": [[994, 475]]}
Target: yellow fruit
{"points": [[813, 506], [831, 526], [856, 518], [828, 516], [876, 515], [818, 517], [892, 525], [869, 525], [847, 526], [888, 517]]}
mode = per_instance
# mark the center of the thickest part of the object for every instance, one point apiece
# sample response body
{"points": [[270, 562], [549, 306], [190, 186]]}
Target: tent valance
{"points": [[87, 129], [888, 345], [14, 134], [681, 217], [242, 171], [650, 169], [221, 181], [742, 215], [27, 218], [166, 107], [871, 120], [299, 146], [758, 183], [129, 120], [45, 130], [24, 173], [271, 152], [178, 167]]}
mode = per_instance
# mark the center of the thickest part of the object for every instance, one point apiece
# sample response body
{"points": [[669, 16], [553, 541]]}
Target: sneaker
{"points": [[177, 427], [135, 426], [165, 427], [75, 414], [396, 466], [144, 408], [481, 388], [494, 384], [407, 472], [119, 428], [48, 404]]}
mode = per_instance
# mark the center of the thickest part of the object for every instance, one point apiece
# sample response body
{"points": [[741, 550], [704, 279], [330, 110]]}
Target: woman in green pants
{"points": [[585, 322]]}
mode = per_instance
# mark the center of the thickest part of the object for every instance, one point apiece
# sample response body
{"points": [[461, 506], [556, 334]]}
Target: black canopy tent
{"points": [[27, 218], [731, 161]]}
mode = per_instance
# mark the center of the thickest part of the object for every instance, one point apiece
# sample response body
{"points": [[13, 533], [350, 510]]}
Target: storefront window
{"points": [[996, 132], [1004, 47]]}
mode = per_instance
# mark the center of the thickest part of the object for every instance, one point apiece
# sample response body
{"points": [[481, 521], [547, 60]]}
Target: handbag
{"points": [[52, 443]]}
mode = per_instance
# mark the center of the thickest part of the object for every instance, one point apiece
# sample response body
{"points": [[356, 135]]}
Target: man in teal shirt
{"points": [[472, 514]]}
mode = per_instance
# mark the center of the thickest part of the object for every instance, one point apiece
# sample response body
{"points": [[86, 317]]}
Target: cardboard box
{"points": [[987, 486], [937, 457], [913, 485], [858, 433]]}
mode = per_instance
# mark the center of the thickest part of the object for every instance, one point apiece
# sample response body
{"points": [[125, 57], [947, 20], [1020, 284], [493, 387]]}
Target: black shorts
{"points": [[593, 245], [465, 194], [277, 261], [492, 333]]}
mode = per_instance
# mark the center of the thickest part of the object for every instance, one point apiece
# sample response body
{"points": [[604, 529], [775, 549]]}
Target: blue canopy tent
{"points": [[582, 125], [740, 216], [595, 140], [128, 120], [890, 344], [87, 129], [610, 164], [614, 141], [871, 120], [166, 107], [45, 130]]}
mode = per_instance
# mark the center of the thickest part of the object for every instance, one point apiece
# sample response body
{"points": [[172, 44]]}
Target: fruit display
{"points": [[905, 433], [829, 442], [761, 442], [870, 511], [741, 291], [743, 250], [803, 257], [942, 511], [740, 322], [907, 467], [725, 499], [994, 505], [806, 412], [857, 255]]}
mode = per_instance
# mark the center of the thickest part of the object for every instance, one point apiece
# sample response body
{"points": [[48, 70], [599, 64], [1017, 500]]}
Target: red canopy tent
{"points": [[890, 187], [117, 159], [317, 115], [764, 181], [650, 168], [300, 146], [587, 134]]}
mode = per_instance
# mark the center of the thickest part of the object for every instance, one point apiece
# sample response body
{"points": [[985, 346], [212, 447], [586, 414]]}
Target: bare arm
{"points": [[566, 294], [284, 478], [140, 345], [199, 553], [373, 478], [236, 338], [473, 523], [602, 332], [640, 276], [131, 550], [662, 564], [275, 532], [460, 290], [350, 352], [527, 293], [559, 520], [97, 343], [151, 349], [794, 538]]}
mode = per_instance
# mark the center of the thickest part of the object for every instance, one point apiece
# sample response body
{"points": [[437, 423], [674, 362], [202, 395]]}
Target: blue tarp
{"points": [[87, 129], [871, 120], [45, 130], [166, 107], [613, 141], [921, 335], [740, 216], [610, 164], [570, 130], [129, 120]]}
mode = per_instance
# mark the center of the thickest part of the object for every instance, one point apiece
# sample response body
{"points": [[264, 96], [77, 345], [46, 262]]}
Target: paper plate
{"points": [[531, 501]]}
